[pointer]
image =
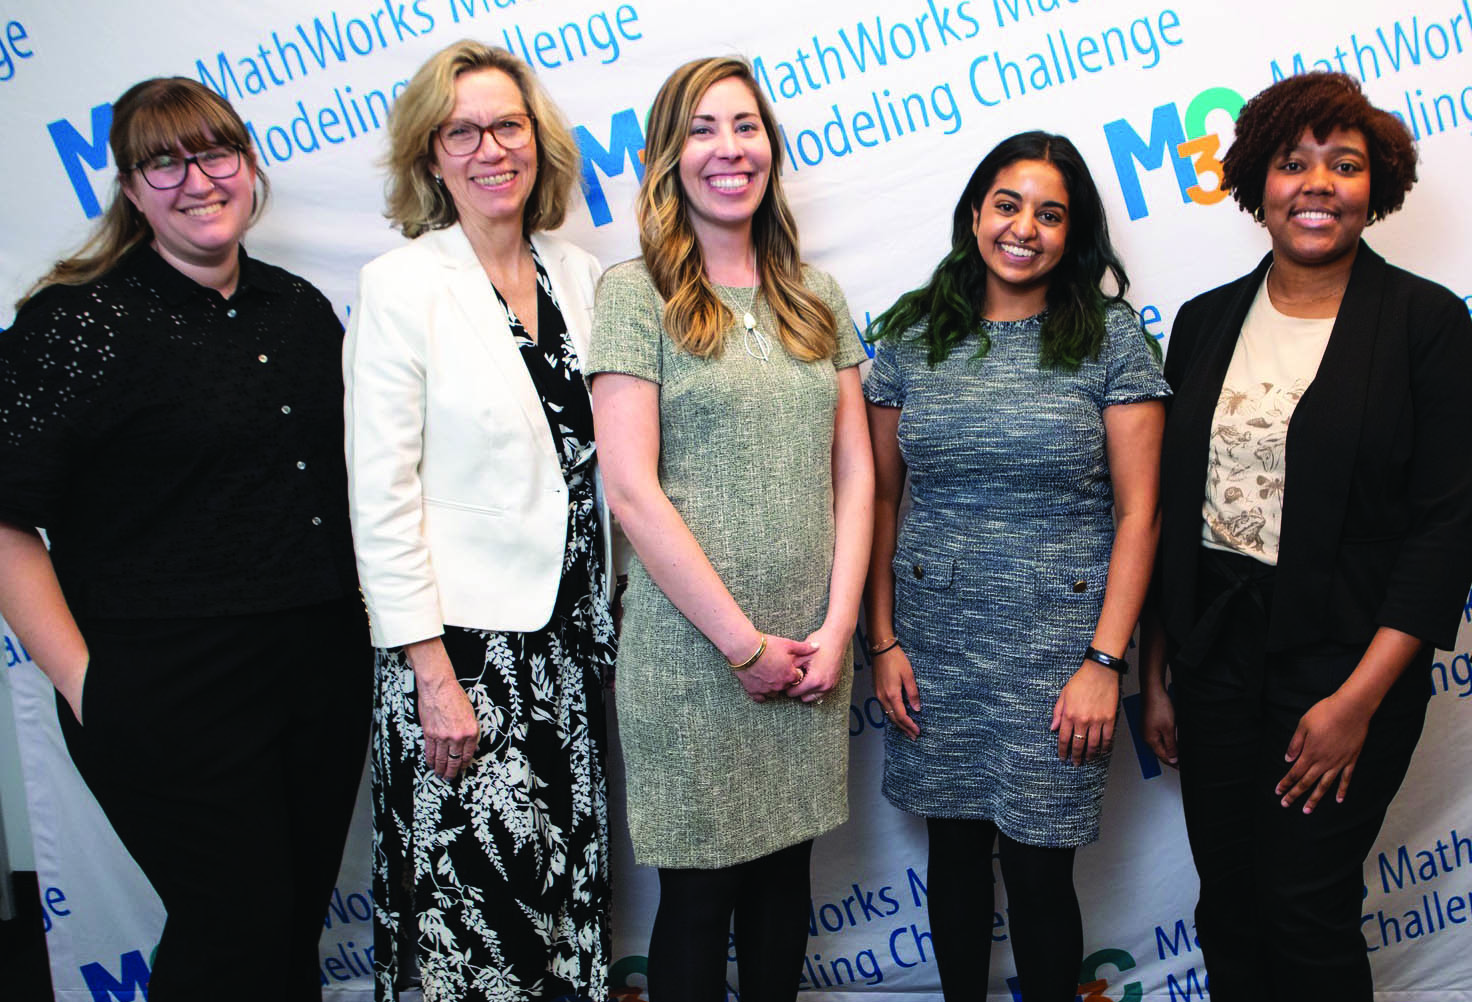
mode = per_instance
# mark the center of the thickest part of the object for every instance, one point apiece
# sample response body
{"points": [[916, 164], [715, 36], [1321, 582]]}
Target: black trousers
{"points": [[1281, 891], [226, 752]]}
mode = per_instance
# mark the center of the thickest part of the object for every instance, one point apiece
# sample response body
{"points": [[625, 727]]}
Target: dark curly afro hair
{"points": [[1277, 116]]}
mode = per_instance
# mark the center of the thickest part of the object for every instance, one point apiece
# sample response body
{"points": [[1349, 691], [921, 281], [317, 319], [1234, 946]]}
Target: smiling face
{"points": [[1021, 229], [726, 160], [198, 224], [1316, 199], [492, 184]]}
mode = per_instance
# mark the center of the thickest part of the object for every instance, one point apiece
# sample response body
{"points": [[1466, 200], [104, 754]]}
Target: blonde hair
{"points": [[416, 203], [694, 315], [156, 116]]}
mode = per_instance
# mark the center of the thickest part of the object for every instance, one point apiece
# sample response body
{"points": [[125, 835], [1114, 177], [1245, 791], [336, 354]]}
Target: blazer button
{"points": [[1080, 585], [919, 572]]}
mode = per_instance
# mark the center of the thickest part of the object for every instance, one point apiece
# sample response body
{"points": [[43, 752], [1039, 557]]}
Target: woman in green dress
{"points": [[731, 423]]}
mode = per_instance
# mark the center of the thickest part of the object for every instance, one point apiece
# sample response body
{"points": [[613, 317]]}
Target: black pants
{"points": [[226, 752], [1044, 922], [1281, 891], [769, 899]]}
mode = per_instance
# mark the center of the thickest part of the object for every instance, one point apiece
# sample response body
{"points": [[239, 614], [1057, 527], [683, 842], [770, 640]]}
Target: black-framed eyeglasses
{"points": [[168, 170], [459, 137]]}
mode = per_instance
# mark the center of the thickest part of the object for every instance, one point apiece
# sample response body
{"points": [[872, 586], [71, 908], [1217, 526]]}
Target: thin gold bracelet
{"points": [[877, 650], [760, 650]]}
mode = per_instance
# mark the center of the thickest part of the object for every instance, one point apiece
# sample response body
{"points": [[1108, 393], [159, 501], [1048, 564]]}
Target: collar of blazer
{"points": [[484, 319], [1324, 435], [453, 249]]}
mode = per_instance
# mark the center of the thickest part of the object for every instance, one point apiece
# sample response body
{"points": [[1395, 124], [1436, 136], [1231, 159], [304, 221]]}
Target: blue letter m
{"points": [[75, 150], [105, 988], [625, 141], [1125, 145]]}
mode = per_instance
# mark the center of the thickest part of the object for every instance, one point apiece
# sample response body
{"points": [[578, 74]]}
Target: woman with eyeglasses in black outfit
{"points": [[172, 422]]}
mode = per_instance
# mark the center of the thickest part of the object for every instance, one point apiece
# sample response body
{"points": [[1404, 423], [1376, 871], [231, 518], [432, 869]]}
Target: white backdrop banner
{"points": [[886, 106]]}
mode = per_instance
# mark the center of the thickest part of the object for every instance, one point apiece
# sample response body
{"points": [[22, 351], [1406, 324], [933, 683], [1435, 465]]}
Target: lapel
{"points": [[1324, 435], [1204, 347], [484, 322], [1194, 406], [577, 312]]}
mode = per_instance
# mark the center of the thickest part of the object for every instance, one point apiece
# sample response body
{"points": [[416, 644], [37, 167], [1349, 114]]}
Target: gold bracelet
{"points": [[879, 649], [760, 650]]}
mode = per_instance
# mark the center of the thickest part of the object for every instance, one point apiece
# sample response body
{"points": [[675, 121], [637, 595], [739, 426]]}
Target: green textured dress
{"points": [[745, 456]]}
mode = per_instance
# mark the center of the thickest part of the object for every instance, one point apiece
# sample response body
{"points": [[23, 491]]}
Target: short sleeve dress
{"points": [[715, 779], [1000, 568]]}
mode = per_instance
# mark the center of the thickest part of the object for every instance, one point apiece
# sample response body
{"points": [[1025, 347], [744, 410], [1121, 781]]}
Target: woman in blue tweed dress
{"points": [[1024, 404]]}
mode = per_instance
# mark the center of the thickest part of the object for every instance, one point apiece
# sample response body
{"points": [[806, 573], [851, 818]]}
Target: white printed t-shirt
{"points": [[1276, 359]]}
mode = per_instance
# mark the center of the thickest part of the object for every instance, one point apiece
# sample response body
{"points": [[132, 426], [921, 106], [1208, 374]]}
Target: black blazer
{"points": [[1377, 504]]}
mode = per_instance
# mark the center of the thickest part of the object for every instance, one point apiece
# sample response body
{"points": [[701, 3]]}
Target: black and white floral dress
{"points": [[498, 882]]}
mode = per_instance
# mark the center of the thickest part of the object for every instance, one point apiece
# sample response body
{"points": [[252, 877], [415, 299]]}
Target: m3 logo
{"points": [[1183, 139]]}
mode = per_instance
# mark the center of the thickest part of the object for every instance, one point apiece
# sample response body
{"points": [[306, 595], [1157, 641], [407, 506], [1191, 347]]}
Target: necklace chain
{"points": [[754, 341]]}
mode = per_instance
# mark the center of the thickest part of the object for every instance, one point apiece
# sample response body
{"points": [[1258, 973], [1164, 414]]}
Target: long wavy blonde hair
{"points": [[694, 315], [152, 117], [416, 204]]}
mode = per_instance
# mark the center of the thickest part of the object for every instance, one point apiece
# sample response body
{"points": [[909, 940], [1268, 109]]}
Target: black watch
{"points": [[1097, 656]]}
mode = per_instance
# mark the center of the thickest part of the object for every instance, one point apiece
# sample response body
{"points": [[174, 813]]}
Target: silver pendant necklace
{"points": [[755, 342]]}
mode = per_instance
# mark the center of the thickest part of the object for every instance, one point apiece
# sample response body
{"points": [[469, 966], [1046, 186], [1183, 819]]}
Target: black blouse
{"points": [[183, 451]]}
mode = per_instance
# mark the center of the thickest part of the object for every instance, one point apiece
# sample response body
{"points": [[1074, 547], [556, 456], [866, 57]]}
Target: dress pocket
{"points": [[476, 509], [929, 613], [928, 573], [1081, 585]]}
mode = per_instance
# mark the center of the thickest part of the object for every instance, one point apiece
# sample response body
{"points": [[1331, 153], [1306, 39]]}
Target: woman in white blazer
{"points": [[482, 546]]}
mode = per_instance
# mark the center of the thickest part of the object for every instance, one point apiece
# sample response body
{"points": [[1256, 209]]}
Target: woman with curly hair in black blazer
{"points": [[1306, 572]]}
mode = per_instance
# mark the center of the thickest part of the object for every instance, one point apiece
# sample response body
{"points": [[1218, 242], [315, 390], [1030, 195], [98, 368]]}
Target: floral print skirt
{"points": [[496, 883]]}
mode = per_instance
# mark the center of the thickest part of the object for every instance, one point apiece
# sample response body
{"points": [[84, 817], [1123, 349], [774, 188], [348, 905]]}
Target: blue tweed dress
{"points": [[1000, 569]]}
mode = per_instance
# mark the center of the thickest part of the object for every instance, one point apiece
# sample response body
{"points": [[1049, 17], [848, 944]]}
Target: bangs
{"points": [[178, 119], [1323, 106]]}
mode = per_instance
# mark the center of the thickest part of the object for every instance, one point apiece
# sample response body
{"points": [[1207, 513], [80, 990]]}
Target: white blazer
{"points": [[458, 504]]}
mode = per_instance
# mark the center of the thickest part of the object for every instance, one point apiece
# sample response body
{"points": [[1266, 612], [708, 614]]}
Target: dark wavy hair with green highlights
{"points": [[952, 304]]}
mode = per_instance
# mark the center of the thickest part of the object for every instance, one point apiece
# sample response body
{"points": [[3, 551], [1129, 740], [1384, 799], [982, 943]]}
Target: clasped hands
{"points": [[806, 669]]}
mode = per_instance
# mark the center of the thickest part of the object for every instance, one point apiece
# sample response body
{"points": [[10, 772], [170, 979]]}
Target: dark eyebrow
{"points": [[739, 116], [1016, 195]]}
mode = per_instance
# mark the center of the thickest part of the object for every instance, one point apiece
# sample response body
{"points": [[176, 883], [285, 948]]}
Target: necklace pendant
{"points": [[749, 321], [756, 344]]}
